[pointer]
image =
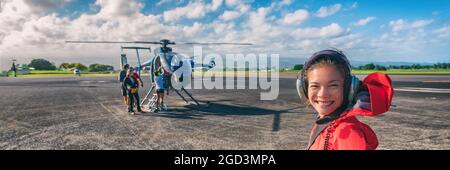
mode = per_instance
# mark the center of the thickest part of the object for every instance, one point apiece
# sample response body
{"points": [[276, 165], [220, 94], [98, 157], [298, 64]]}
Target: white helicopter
{"points": [[180, 67]]}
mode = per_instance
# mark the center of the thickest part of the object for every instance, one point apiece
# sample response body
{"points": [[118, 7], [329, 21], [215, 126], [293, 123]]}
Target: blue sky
{"points": [[385, 10], [377, 30]]}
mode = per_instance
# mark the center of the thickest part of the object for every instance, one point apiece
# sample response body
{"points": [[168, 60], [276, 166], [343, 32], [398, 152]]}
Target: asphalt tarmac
{"points": [[87, 113]]}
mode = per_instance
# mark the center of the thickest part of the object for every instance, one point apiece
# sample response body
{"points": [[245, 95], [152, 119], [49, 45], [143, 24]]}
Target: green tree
{"points": [[380, 68], [416, 66], [370, 66], [42, 64], [405, 67], [298, 67], [64, 66], [79, 66], [100, 68]]}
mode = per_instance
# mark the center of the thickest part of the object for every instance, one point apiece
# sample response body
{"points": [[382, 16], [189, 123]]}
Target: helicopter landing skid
{"points": [[182, 97], [151, 99]]}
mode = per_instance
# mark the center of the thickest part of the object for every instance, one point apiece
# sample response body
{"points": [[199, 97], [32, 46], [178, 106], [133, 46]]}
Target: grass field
{"points": [[52, 73]]}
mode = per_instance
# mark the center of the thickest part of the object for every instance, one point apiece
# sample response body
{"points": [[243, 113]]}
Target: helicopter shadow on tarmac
{"points": [[215, 108]]}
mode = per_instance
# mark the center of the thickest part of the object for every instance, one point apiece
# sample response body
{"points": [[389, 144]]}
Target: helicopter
{"points": [[180, 67]]}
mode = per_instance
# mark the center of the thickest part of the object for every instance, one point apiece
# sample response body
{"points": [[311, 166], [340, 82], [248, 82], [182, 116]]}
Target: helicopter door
{"points": [[154, 65]]}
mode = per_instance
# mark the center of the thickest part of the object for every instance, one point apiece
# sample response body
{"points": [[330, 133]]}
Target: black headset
{"points": [[351, 82]]}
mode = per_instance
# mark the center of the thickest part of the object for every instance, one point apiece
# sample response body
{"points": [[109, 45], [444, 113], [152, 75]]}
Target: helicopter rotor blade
{"points": [[139, 48], [116, 42], [197, 43], [157, 42]]}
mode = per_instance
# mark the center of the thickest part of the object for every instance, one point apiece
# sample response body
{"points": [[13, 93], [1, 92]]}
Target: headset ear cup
{"points": [[354, 88], [299, 85], [301, 88]]}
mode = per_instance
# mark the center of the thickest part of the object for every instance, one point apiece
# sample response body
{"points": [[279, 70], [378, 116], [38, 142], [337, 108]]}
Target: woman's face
{"points": [[325, 89]]}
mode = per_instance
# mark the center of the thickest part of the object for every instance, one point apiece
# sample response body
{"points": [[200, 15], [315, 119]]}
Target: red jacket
{"points": [[347, 132]]}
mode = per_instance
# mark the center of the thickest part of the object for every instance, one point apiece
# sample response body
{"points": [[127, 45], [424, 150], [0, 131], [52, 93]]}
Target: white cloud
{"points": [[286, 2], [232, 3], [195, 29], [401, 24], [258, 19], [14, 15], [364, 21], [259, 26], [193, 10], [119, 8], [442, 32], [43, 36], [243, 8], [46, 5], [229, 15], [239, 10], [215, 4], [280, 4], [327, 11], [161, 2], [401, 45], [296, 17], [30, 7], [331, 30]]}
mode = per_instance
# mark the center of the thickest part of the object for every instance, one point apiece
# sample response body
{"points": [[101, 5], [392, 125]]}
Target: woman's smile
{"points": [[324, 103]]}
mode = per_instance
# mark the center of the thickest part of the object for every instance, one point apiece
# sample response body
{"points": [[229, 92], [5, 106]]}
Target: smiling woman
{"points": [[328, 86]]}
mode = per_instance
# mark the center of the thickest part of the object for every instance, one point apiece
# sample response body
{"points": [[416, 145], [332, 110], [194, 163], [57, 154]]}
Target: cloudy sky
{"points": [[381, 30]]}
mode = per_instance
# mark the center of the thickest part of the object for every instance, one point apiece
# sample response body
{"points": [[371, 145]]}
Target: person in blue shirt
{"points": [[122, 75], [159, 83]]}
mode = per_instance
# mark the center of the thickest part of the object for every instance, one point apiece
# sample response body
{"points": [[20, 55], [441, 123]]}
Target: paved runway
{"points": [[87, 113]]}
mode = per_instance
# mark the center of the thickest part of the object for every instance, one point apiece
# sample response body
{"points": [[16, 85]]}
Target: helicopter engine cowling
{"points": [[166, 55]]}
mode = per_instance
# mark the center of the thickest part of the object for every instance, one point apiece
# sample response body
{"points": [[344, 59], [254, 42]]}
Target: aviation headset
{"points": [[351, 82], [157, 73]]}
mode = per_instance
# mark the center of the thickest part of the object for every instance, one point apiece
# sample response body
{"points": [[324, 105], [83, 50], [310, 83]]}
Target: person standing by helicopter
{"points": [[136, 75], [139, 80], [14, 69], [130, 83], [122, 75], [159, 84]]}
